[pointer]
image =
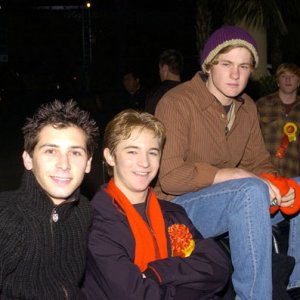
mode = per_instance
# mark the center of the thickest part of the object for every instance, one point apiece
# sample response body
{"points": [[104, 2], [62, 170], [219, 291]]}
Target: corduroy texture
{"points": [[197, 147], [39, 258], [227, 36], [150, 244]]}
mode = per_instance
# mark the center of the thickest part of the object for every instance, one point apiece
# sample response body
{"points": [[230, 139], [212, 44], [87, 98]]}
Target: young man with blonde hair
{"points": [[214, 155], [277, 112], [139, 247]]}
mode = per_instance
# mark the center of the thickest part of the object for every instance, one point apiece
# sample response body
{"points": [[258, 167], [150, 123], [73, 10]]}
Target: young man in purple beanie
{"points": [[214, 156]]}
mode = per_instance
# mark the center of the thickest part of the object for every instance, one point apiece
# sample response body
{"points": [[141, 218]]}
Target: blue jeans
{"points": [[241, 207]]}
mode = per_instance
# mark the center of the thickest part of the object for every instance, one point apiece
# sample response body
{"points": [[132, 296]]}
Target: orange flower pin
{"points": [[181, 240]]}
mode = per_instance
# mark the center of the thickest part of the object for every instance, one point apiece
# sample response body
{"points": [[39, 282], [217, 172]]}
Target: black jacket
{"points": [[156, 94], [41, 258], [111, 273]]}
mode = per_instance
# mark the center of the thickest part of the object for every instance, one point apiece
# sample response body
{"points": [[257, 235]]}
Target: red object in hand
{"points": [[284, 184]]}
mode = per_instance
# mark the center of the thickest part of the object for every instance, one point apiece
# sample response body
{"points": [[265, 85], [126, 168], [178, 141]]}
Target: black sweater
{"points": [[41, 258]]}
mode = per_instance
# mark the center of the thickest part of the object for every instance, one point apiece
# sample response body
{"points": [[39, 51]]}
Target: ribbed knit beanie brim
{"points": [[227, 36]]}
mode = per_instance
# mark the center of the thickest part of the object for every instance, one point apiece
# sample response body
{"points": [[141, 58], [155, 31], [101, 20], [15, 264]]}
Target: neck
{"points": [[219, 96], [287, 98], [173, 77]]}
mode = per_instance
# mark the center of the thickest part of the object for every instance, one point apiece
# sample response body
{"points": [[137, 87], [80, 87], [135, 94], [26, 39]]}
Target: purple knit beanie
{"points": [[226, 36]]}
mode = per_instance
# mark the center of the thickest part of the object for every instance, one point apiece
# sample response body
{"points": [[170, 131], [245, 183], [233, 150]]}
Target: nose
{"points": [[63, 162], [235, 72], [143, 160]]}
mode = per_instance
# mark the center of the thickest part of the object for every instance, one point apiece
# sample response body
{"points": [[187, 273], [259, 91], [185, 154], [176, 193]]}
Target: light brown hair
{"points": [[122, 125]]}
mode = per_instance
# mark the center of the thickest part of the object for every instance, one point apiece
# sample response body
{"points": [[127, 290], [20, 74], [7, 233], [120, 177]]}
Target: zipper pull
{"points": [[54, 216]]}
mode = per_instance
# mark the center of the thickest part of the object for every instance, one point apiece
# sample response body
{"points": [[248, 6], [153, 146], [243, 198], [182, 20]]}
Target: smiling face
{"points": [[288, 82], [59, 161], [229, 77], [135, 163]]}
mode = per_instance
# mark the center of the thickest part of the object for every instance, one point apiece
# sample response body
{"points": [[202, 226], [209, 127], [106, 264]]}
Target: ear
{"points": [[88, 165], [165, 68], [109, 157], [27, 160]]}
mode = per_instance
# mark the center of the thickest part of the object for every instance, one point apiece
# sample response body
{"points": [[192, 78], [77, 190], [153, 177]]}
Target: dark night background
{"points": [[45, 49]]}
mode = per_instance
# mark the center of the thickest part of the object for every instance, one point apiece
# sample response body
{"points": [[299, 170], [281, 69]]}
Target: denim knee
{"points": [[255, 189]]}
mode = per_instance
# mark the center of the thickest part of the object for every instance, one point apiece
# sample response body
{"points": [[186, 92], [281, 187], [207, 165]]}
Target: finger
{"points": [[287, 203]]}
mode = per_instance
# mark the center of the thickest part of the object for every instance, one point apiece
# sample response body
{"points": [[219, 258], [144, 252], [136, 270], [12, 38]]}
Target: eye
{"points": [[225, 64], [76, 153], [154, 153], [50, 151], [132, 152], [245, 67]]}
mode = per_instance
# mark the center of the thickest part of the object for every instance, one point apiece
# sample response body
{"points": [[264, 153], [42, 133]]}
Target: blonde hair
{"points": [[122, 125], [287, 67], [215, 60]]}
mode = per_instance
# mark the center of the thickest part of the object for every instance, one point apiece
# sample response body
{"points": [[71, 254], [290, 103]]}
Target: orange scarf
{"points": [[284, 184], [150, 241]]}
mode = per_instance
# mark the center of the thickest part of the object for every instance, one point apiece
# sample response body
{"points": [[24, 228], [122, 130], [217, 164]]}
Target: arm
{"points": [[111, 273], [206, 269], [177, 174]]}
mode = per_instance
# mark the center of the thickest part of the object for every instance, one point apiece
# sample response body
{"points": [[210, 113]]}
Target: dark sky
{"points": [[49, 43], [46, 47]]}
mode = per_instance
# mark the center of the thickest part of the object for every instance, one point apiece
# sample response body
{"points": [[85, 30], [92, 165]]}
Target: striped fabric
{"points": [[197, 146]]}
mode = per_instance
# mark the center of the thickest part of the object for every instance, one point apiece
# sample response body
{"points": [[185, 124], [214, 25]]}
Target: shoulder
{"points": [[9, 201], [249, 105], [267, 100], [183, 92], [103, 206], [12, 216]]}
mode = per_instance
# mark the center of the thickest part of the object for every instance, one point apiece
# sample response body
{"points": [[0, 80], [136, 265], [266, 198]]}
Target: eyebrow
{"points": [[229, 61], [56, 146], [136, 147]]}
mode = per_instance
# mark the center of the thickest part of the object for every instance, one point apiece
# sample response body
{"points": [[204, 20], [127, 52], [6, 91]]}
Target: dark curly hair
{"points": [[60, 115]]}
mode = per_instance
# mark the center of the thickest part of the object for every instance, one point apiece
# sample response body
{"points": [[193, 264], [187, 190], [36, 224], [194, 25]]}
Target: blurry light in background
{"points": [[88, 4]]}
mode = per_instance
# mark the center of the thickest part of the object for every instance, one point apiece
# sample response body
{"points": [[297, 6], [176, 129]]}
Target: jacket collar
{"points": [[36, 200], [199, 81]]}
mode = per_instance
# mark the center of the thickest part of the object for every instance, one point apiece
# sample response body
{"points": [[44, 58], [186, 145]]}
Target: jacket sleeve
{"points": [[207, 269], [111, 272], [177, 175]]}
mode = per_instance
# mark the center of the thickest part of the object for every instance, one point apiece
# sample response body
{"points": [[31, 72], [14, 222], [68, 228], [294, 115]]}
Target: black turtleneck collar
{"points": [[34, 197]]}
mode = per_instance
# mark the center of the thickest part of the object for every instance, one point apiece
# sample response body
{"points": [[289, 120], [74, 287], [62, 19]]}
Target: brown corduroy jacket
{"points": [[197, 146]]}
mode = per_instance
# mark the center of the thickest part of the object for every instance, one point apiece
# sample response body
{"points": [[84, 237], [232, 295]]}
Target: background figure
{"points": [[278, 110], [44, 224], [170, 68], [214, 156], [135, 92], [139, 247]]}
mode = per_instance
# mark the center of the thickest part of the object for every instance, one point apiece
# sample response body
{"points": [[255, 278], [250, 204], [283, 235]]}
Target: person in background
{"points": [[214, 158], [279, 115], [140, 247], [170, 68], [135, 92], [44, 224]]}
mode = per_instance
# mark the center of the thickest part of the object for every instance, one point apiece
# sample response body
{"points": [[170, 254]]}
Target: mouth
{"points": [[61, 180], [232, 85], [141, 173]]}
